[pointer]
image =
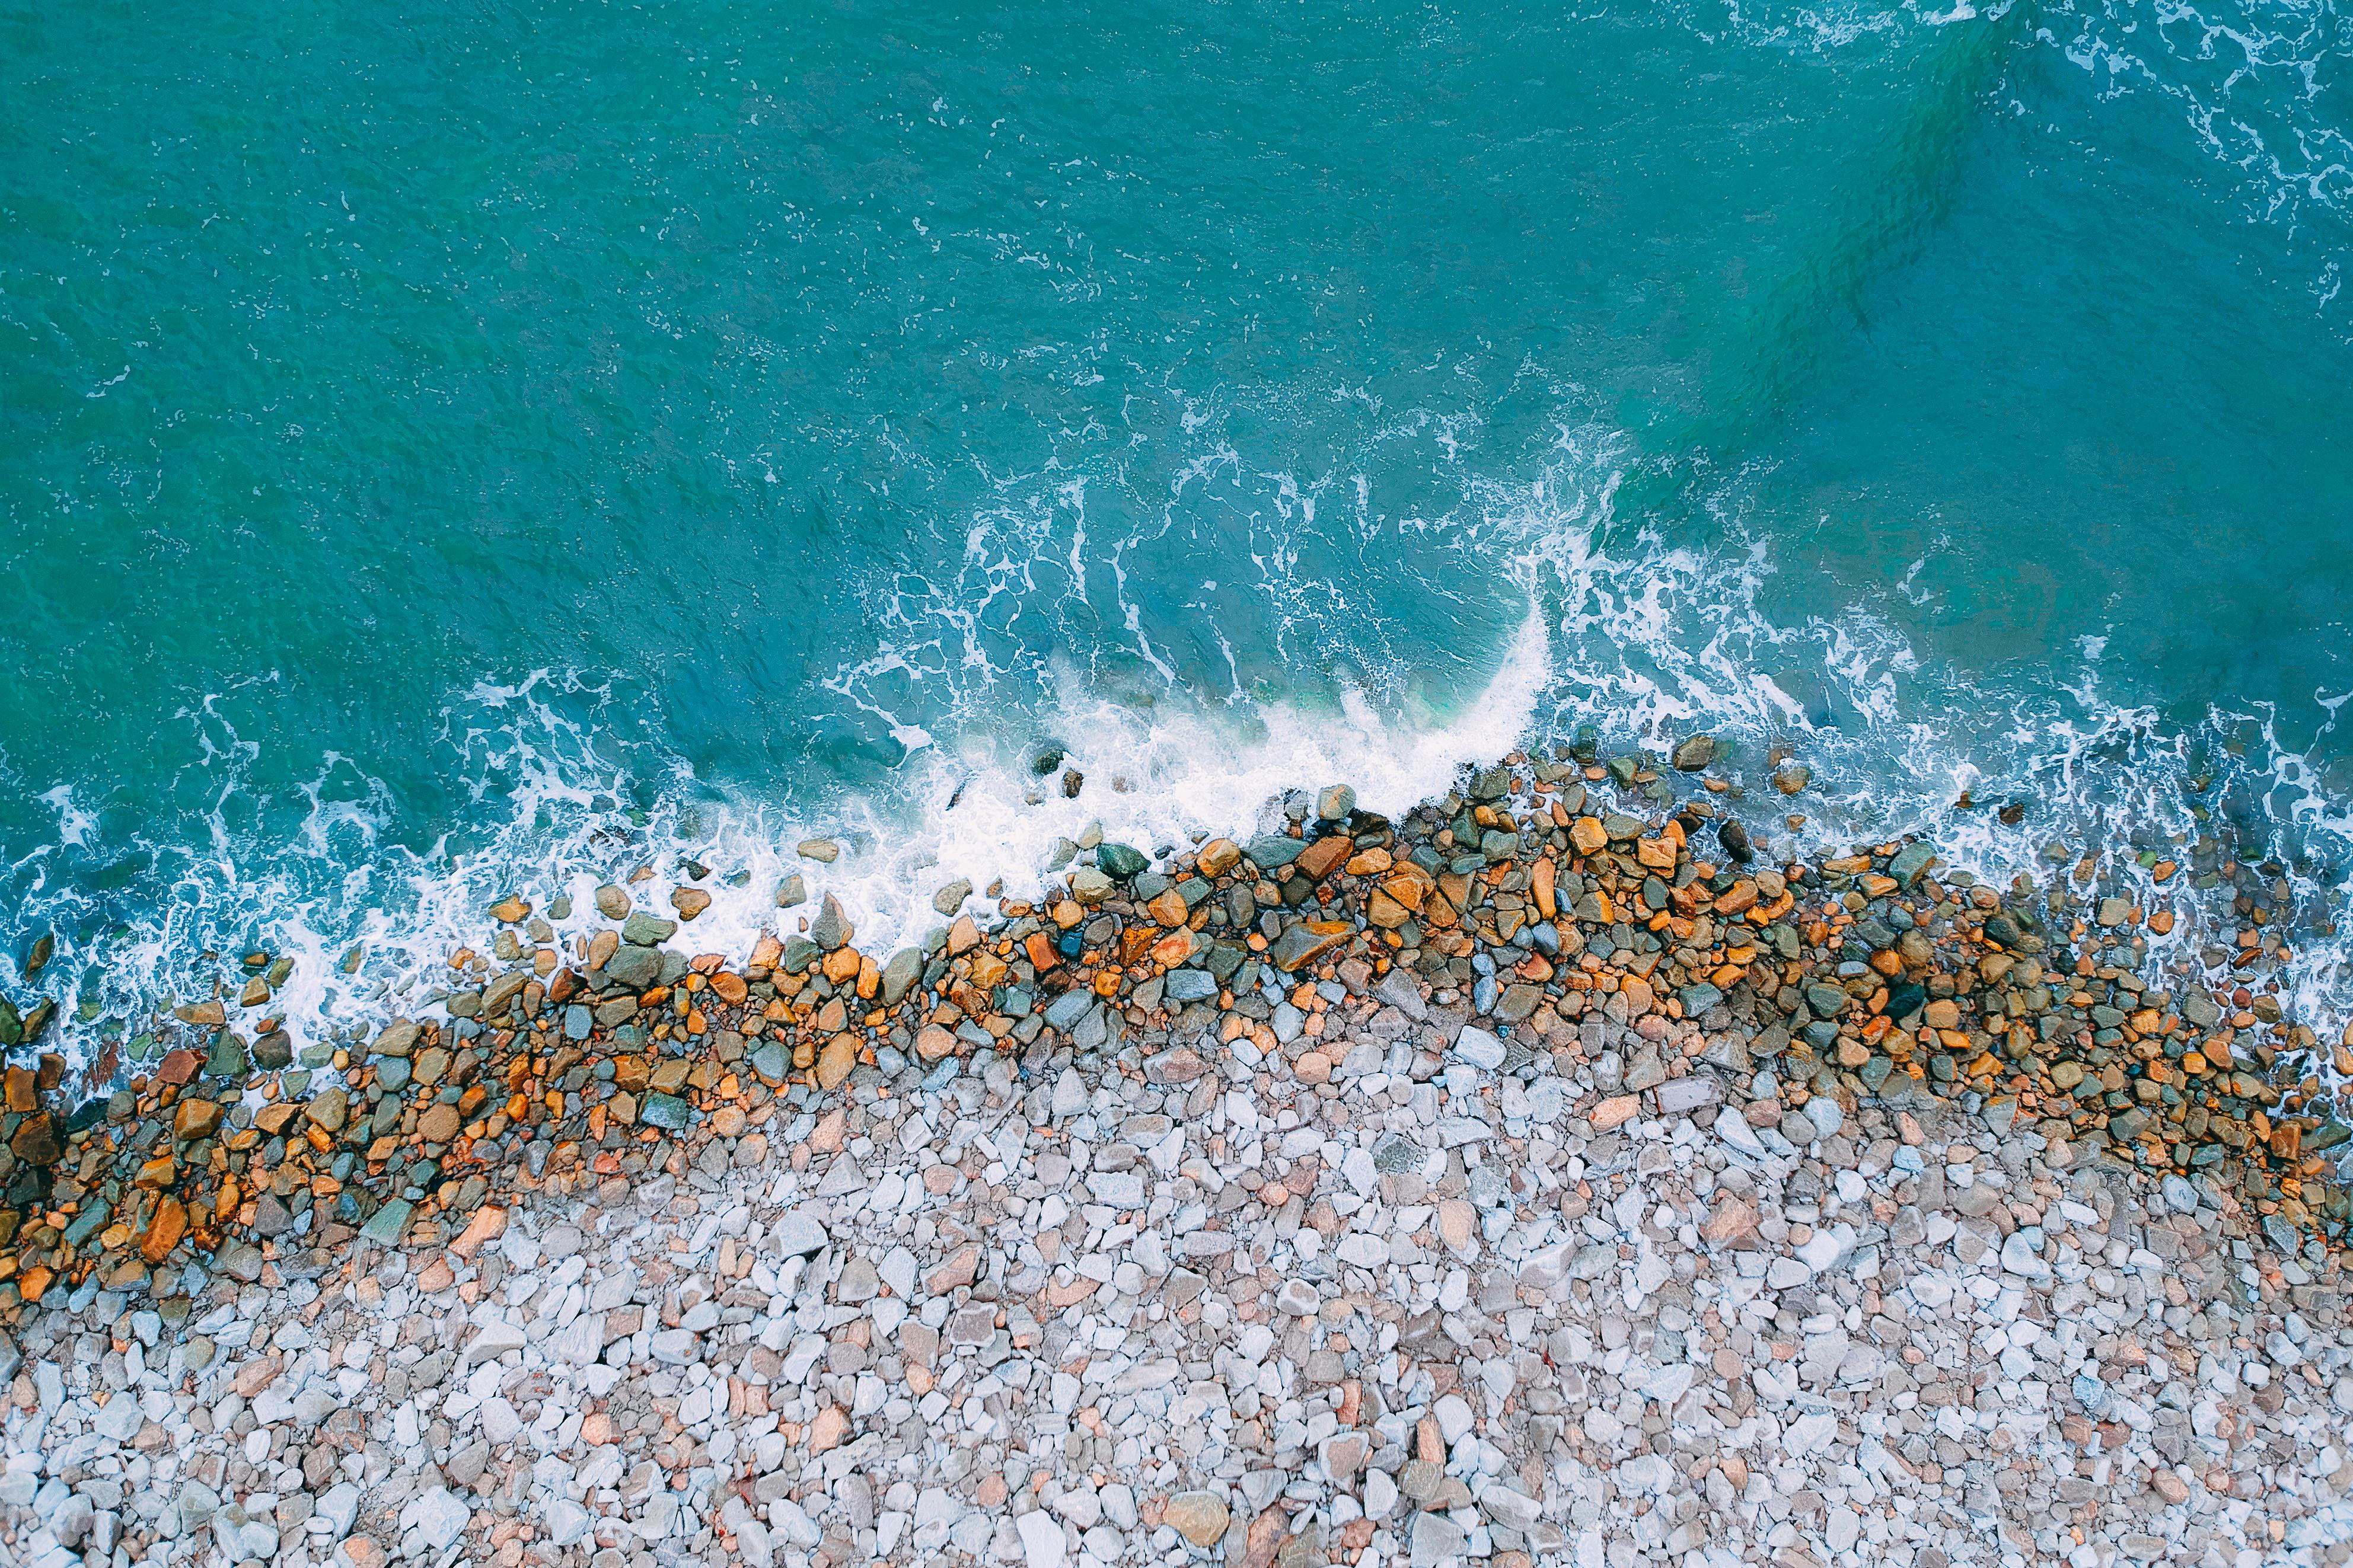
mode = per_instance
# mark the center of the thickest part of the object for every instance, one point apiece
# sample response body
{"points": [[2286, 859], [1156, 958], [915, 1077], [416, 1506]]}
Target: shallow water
{"points": [[444, 452]]}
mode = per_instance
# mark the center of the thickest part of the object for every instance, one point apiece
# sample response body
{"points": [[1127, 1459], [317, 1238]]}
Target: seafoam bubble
{"points": [[1188, 771], [371, 927], [1642, 626]]}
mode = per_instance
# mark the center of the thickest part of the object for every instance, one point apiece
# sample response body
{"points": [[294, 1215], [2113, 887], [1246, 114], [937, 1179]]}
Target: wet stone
{"points": [[666, 1112], [228, 1058], [831, 929], [770, 1062], [1273, 851], [899, 975], [191, 1119], [330, 1107], [636, 967], [388, 1224], [1698, 999], [646, 930], [36, 1141], [1911, 862]]}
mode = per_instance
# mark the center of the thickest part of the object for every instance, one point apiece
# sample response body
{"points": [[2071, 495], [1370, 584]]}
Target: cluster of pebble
{"points": [[1531, 1175]]}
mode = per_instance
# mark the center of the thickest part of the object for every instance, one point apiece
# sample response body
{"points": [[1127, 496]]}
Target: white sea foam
{"points": [[1643, 634], [1155, 778], [74, 824]]}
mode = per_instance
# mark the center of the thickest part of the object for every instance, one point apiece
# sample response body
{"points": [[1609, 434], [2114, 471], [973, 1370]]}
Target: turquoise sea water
{"points": [[445, 450]]}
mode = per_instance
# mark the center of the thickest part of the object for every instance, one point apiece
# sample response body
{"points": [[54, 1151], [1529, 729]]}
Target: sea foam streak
{"points": [[1643, 636], [335, 893], [1154, 779]]}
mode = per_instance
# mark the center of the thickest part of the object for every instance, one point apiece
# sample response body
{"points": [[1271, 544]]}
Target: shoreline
{"points": [[1513, 1144], [1601, 901]]}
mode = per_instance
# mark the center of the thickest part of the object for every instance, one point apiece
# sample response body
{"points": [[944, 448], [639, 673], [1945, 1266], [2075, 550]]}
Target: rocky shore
{"points": [[1537, 1177]]}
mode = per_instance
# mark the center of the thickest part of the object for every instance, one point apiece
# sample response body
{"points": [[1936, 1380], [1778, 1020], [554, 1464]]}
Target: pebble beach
{"points": [[1541, 1176]]}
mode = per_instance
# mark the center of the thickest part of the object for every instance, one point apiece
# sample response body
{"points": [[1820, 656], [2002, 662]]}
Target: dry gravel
{"points": [[1503, 1309]]}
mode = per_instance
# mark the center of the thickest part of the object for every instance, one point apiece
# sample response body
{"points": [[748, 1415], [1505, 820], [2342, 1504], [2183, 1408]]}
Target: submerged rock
{"points": [[1120, 861]]}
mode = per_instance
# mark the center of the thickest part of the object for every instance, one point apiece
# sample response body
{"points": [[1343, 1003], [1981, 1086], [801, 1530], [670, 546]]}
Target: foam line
{"points": [[1643, 637]]}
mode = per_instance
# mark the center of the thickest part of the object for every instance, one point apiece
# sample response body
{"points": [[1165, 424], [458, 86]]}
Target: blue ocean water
{"points": [[448, 452]]}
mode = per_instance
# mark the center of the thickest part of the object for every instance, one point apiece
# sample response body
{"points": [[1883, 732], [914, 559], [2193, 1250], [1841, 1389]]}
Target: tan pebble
{"points": [[833, 1065], [1615, 1111], [960, 1269], [163, 1232], [828, 1430], [488, 1225], [1455, 1223], [1732, 1223]]}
